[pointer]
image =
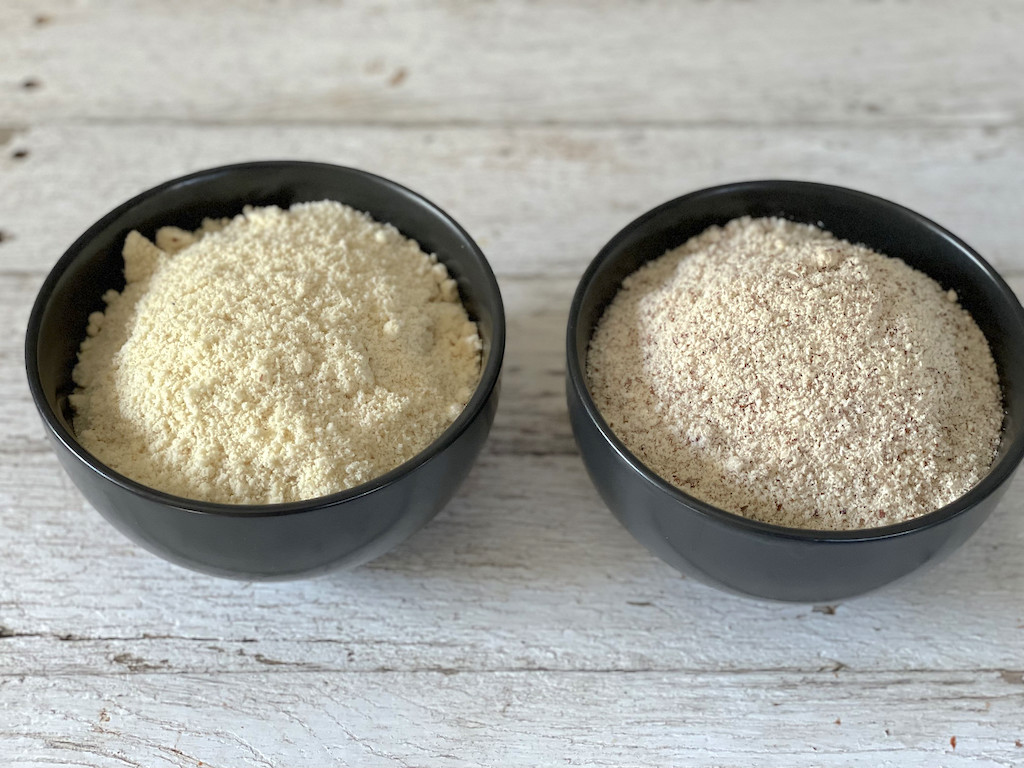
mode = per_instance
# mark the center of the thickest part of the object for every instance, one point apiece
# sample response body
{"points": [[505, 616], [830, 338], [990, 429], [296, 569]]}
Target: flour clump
{"points": [[276, 356], [777, 372]]}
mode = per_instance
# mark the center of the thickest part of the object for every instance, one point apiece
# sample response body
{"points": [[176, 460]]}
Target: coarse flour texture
{"points": [[276, 356], [777, 372]]}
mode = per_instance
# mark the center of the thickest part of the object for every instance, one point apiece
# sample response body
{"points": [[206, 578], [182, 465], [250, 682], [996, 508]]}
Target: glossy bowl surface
{"points": [[751, 557], [273, 541]]}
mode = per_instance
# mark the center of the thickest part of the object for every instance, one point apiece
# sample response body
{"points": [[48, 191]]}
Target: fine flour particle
{"points": [[777, 372], [277, 356]]}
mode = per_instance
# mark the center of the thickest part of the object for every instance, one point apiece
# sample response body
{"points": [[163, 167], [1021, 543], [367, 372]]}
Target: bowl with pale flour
{"points": [[269, 370], [795, 391]]}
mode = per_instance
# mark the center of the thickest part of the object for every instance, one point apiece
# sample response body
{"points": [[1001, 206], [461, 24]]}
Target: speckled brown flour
{"points": [[777, 372]]}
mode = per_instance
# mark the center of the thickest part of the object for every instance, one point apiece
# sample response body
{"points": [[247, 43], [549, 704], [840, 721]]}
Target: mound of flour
{"points": [[777, 372], [276, 356]]}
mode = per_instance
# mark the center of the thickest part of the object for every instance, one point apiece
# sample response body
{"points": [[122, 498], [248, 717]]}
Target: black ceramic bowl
{"points": [[755, 558], [273, 541]]}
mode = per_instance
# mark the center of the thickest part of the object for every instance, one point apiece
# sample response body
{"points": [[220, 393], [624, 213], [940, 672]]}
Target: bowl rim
{"points": [[489, 375], [998, 474]]}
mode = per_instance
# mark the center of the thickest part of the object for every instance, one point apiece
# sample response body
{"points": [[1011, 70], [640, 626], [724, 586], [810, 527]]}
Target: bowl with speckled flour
{"points": [[292, 538], [763, 559]]}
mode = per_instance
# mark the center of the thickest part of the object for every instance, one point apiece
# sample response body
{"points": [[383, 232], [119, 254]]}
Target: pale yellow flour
{"points": [[777, 372], [276, 356]]}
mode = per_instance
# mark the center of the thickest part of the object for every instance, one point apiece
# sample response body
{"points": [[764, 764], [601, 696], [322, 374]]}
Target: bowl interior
{"points": [[854, 216], [93, 264]]}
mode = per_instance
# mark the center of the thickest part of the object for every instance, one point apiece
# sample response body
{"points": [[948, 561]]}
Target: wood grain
{"points": [[508, 719], [458, 62], [540, 201]]}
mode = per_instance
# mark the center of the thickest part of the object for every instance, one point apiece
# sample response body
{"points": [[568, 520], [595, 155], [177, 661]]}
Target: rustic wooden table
{"points": [[523, 626]]}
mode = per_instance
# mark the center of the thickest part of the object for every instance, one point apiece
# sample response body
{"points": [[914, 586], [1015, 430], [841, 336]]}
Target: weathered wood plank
{"points": [[511, 576], [516, 719], [540, 201], [789, 62]]}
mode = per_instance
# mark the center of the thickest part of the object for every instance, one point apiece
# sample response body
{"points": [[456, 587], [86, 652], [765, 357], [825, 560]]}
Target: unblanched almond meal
{"points": [[276, 356], [777, 372]]}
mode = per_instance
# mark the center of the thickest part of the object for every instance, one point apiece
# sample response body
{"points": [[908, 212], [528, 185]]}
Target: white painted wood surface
{"points": [[523, 626]]}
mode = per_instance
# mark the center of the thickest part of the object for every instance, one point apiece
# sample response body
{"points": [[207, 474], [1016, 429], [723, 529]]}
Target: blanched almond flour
{"points": [[777, 372], [277, 356]]}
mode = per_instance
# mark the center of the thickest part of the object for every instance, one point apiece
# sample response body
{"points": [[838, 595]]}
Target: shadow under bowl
{"points": [[758, 559], [273, 541]]}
